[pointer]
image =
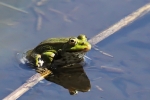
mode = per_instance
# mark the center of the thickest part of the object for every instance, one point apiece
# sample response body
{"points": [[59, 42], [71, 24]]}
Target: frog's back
{"points": [[54, 41], [50, 44]]}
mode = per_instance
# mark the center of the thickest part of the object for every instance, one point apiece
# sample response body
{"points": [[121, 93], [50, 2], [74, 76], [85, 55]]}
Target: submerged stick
{"points": [[26, 86], [101, 36], [122, 23], [12, 7]]}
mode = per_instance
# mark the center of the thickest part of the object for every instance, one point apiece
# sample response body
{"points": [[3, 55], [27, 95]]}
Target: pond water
{"points": [[25, 23]]}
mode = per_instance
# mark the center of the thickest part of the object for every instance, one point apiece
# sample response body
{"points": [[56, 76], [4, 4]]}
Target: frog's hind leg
{"points": [[48, 56]]}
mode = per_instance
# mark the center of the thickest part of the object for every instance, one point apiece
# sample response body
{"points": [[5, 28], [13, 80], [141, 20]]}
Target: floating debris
{"points": [[99, 88], [65, 17], [72, 12], [8, 22], [40, 16], [39, 22], [38, 11], [56, 11], [104, 53], [41, 2], [87, 57], [12, 7], [111, 69]]}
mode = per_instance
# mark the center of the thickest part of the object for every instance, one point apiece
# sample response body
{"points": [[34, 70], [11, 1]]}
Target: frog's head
{"points": [[77, 44]]}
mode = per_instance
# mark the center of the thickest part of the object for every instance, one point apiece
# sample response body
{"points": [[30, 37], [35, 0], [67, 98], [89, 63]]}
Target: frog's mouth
{"points": [[88, 47], [80, 48]]}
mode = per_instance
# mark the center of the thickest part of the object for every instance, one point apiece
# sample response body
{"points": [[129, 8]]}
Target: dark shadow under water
{"points": [[72, 77]]}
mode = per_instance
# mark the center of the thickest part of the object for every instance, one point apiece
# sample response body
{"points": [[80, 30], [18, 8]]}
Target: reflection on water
{"points": [[72, 77]]}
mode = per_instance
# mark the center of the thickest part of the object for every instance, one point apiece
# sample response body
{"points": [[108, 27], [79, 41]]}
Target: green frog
{"points": [[61, 51]]}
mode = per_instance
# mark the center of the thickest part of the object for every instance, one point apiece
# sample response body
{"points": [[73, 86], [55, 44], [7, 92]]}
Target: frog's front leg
{"points": [[45, 57], [38, 61]]}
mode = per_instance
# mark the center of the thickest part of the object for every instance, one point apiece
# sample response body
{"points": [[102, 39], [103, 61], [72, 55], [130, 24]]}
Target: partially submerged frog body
{"points": [[62, 51]]}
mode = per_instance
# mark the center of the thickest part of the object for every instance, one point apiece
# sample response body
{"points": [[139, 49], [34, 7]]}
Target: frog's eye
{"points": [[72, 41], [82, 37]]}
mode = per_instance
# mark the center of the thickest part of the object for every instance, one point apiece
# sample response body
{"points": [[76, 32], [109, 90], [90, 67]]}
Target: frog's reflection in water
{"points": [[71, 77]]}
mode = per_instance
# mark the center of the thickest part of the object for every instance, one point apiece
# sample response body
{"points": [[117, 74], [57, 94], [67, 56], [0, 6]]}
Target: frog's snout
{"points": [[88, 47]]}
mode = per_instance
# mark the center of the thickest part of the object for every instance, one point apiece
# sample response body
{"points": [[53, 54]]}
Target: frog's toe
{"points": [[43, 71], [40, 62]]}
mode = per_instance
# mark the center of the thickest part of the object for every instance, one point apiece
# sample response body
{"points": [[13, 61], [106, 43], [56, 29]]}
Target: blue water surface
{"points": [[31, 21]]}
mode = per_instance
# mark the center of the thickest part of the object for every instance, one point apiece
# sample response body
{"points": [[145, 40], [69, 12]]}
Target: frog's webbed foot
{"points": [[40, 62]]}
